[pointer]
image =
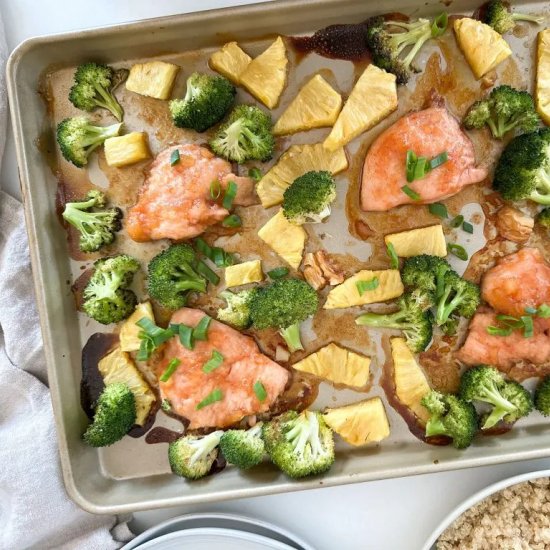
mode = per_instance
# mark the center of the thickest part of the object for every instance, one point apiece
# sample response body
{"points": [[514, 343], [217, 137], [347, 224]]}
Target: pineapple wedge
{"points": [[128, 335], [372, 99], [425, 240], [230, 61], [242, 274], [360, 423], [153, 79], [128, 149], [286, 239], [316, 105], [542, 94], [347, 295], [265, 76], [410, 381], [118, 366], [483, 47], [338, 365], [296, 161]]}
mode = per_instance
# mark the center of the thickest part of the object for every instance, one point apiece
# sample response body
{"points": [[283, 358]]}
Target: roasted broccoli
{"points": [[243, 448], [387, 40], [96, 228], [425, 273], [459, 296], [299, 444], [93, 87], [106, 297], [509, 400], [309, 197], [504, 110], [543, 218], [206, 101], [411, 318], [237, 311], [246, 135], [115, 414], [172, 275], [192, 456], [77, 138], [498, 16], [542, 396], [523, 170], [284, 304], [452, 417]]}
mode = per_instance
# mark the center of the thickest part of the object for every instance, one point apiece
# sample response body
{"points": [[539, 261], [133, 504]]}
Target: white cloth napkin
{"points": [[35, 511]]}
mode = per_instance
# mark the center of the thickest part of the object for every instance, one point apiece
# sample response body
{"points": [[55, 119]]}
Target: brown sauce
{"points": [[162, 435]]}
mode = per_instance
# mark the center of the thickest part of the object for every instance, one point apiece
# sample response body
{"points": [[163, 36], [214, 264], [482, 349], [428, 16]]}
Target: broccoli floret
{"points": [[459, 296], [77, 138], [96, 228], [237, 311], [411, 318], [299, 444], [243, 448], [284, 304], [498, 16], [172, 276], [206, 101], [387, 40], [245, 136], [523, 170], [504, 110], [93, 87], [192, 456], [452, 417], [543, 218], [542, 396], [509, 400], [425, 273], [115, 414], [308, 198]]}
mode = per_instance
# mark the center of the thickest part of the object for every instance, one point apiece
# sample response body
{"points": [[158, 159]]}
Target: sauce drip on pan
{"points": [[160, 434]]}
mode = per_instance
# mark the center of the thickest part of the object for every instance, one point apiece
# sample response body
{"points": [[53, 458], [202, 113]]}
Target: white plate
{"points": [[478, 497]]}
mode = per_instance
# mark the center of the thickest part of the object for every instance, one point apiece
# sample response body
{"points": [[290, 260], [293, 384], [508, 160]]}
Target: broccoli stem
{"points": [[186, 278], [390, 320], [86, 222], [96, 135], [109, 102], [444, 309], [435, 427], [416, 35], [292, 338], [526, 17], [204, 446], [542, 193]]}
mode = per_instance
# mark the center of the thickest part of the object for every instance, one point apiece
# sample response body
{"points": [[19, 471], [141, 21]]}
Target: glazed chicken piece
{"points": [[175, 201], [243, 366], [518, 281], [427, 133]]}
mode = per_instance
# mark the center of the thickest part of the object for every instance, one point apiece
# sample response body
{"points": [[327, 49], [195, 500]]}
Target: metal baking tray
{"points": [[132, 475]]}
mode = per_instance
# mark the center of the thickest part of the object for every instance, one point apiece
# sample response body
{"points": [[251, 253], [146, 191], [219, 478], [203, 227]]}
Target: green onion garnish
{"points": [[468, 227], [230, 194], [212, 397], [440, 159], [363, 286], [411, 193], [438, 209], [215, 254], [457, 221], [175, 157], [528, 326], [278, 273], [260, 392], [203, 247], [421, 168], [458, 251], [213, 363], [510, 321], [544, 311], [151, 337], [394, 259], [215, 189], [200, 332], [439, 24], [531, 310], [499, 331], [255, 174], [510, 324], [170, 370], [232, 221], [418, 167], [186, 336], [205, 271], [410, 165]]}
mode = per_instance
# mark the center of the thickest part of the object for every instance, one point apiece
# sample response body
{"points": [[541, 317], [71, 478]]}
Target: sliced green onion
{"points": [[410, 165], [363, 286], [260, 392], [175, 157], [411, 193], [230, 194], [255, 174], [232, 221], [203, 247], [438, 209], [528, 326], [458, 251], [499, 331], [510, 321], [151, 337], [394, 259], [170, 370], [205, 271], [215, 189], [200, 332], [146, 348], [213, 363], [186, 336], [468, 227], [212, 397], [439, 24], [215, 254], [278, 273], [544, 311], [531, 310], [440, 159], [421, 169], [457, 222]]}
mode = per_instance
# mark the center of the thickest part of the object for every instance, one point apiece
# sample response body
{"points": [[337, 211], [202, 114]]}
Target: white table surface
{"points": [[394, 514]]}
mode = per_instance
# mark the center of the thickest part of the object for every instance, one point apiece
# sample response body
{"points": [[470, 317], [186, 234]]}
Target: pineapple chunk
{"points": [[483, 47], [153, 79], [316, 105], [296, 161], [127, 149], [230, 61], [242, 274], [372, 99], [286, 239], [347, 295], [128, 335], [338, 365], [542, 94], [425, 240], [360, 423], [410, 381], [118, 366], [265, 76]]}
